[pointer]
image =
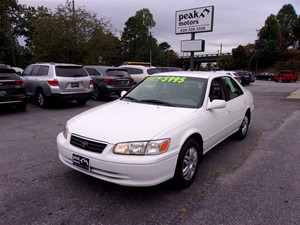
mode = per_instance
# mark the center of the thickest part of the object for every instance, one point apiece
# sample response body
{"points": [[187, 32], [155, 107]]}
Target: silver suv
{"points": [[46, 81]]}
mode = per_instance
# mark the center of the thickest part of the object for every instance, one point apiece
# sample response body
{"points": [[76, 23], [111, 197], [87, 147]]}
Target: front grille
{"points": [[87, 144]]}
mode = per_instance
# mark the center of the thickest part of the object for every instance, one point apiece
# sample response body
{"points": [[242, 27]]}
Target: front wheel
{"points": [[242, 132], [187, 164]]}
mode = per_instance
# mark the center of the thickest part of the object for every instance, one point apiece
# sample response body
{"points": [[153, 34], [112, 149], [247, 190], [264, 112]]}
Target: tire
{"points": [[42, 100], [187, 164], [96, 95], [22, 106], [243, 130], [81, 101]]}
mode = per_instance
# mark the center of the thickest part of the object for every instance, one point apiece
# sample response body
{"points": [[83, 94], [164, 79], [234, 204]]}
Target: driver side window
{"points": [[216, 90]]}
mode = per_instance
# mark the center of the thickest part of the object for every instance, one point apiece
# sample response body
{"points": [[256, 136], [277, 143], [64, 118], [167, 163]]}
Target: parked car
{"points": [[109, 80], [12, 91], [246, 77], [138, 73], [157, 131], [264, 76], [234, 75], [47, 81], [18, 70], [168, 68], [286, 76]]}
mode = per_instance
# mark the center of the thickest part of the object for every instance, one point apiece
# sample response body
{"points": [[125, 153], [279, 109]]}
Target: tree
{"points": [[240, 58], [287, 18], [225, 62], [10, 13], [136, 39], [73, 36], [296, 32], [269, 43]]}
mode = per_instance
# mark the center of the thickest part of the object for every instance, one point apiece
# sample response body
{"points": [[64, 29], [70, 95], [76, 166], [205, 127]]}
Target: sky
{"points": [[235, 22]]}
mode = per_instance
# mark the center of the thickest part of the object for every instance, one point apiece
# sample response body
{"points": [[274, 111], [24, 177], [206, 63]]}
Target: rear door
{"points": [[30, 76], [236, 103]]}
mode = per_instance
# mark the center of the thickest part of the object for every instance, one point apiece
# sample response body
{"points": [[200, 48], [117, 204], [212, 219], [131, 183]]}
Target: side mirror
{"points": [[216, 104], [123, 93]]}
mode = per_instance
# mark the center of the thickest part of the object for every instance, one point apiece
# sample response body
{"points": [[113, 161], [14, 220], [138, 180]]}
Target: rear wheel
{"points": [[22, 106], [81, 101], [41, 99], [242, 132], [187, 163], [96, 93]]}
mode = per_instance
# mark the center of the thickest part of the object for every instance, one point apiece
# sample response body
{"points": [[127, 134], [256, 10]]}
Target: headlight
{"points": [[65, 131], [143, 147]]}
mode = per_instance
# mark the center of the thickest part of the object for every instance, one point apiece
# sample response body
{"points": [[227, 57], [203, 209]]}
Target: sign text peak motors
{"points": [[194, 20]]}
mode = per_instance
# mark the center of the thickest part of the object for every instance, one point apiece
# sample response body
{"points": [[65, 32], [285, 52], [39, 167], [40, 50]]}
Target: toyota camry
{"points": [[159, 130]]}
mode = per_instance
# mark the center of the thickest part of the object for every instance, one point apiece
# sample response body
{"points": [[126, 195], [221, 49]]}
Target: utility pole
{"points": [[150, 45]]}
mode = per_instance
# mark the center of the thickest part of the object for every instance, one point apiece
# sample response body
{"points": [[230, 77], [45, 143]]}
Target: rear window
{"points": [[117, 73], [70, 71], [152, 71], [134, 70], [7, 73], [243, 73]]}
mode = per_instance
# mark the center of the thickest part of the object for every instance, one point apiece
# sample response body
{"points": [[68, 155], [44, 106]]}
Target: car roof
{"points": [[137, 66], [57, 64], [197, 74]]}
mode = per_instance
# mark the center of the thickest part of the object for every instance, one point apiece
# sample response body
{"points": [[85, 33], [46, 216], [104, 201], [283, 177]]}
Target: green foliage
{"points": [[296, 32], [137, 42], [9, 23], [225, 62], [239, 58], [287, 18], [73, 36]]}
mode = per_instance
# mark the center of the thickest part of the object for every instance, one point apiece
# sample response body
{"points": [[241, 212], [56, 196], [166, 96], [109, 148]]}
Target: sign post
{"points": [[192, 54], [194, 21]]}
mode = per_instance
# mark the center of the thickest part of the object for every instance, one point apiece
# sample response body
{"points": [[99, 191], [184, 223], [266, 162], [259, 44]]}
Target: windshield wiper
{"points": [[156, 102], [131, 98]]}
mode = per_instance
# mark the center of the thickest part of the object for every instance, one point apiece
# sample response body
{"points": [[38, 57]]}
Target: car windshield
{"points": [[70, 71], [176, 91]]}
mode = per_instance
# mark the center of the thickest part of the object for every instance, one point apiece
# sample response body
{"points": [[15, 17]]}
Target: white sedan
{"points": [[159, 130]]}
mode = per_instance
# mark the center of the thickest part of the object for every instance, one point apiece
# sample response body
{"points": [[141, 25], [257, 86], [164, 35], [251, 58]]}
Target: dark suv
{"points": [[46, 81], [246, 77], [109, 80], [12, 91]]}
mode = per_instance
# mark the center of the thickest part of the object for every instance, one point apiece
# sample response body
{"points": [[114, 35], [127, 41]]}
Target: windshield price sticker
{"points": [[168, 79]]}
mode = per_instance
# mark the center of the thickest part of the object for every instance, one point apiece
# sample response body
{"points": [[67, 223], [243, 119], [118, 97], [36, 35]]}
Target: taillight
{"points": [[91, 82], [52, 82], [18, 82], [109, 81]]}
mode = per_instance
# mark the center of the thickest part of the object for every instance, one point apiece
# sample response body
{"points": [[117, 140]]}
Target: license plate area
{"points": [[81, 162], [75, 85]]}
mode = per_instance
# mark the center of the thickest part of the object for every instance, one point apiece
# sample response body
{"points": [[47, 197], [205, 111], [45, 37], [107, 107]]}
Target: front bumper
{"points": [[128, 172]]}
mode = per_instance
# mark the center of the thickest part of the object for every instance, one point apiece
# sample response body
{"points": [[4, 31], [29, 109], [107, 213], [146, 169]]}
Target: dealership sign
{"points": [[194, 20], [192, 45]]}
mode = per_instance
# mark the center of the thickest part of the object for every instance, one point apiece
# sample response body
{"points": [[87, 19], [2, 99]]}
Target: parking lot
{"points": [[254, 181]]}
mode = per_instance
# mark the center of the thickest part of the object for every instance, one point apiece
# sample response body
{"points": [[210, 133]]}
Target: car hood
{"points": [[121, 121]]}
